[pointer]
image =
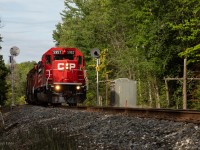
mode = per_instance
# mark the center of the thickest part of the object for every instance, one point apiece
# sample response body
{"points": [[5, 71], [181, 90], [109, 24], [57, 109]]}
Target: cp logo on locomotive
{"points": [[68, 66]]}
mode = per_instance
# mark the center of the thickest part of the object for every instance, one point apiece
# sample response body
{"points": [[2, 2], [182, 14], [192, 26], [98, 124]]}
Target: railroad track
{"points": [[189, 116]]}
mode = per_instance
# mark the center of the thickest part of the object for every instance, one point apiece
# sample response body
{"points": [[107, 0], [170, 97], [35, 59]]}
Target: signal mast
{"points": [[14, 51], [95, 53]]}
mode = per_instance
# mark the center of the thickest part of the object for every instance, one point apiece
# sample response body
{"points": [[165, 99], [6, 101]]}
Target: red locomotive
{"points": [[60, 77]]}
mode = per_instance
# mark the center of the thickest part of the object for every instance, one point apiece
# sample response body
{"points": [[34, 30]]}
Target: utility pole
{"points": [[106, 89], [184, 80], [185, 84]]}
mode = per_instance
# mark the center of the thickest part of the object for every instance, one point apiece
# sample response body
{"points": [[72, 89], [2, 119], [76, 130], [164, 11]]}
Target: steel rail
{"points": [[189, 116]]}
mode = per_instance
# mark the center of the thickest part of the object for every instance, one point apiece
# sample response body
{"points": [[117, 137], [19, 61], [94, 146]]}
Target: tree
{"points": [[3, 74], [3, 84], [20, 73], [0, 36], [143, 39]]}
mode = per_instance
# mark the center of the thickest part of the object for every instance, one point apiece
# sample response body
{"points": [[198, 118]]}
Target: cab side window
{"points": [[39, 67], [48, 59], [79, 58]]}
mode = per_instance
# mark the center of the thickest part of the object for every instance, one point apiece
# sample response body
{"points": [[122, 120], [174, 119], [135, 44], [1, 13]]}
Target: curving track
{"points": [[100, 128], [190, 116]]}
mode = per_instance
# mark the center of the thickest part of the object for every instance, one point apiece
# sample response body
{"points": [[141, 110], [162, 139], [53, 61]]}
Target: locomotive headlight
{"points": [[78, 87], [57, 87]]}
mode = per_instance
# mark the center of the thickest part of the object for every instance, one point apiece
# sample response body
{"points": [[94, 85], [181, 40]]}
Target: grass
{"points": [[40, 138]]}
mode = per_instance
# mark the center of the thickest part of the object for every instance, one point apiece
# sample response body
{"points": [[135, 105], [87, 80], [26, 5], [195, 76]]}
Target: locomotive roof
{"points": [[77, 51]]}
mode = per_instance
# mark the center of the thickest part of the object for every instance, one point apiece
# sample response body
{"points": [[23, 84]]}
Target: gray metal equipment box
{"points": [[123, 93]]}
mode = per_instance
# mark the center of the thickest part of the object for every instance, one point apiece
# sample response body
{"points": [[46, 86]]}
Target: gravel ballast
{"points": [[35, 127]]}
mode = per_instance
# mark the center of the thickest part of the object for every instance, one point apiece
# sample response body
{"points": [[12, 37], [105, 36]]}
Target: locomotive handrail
{"points": [[33, 89], [69, 83], [48, 78], [49, 74], [72, 72]]}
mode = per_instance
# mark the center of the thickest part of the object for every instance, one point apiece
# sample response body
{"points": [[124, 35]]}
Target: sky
{"points": [[28, 25]]}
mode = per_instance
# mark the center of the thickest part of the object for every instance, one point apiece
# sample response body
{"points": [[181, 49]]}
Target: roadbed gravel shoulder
{"points": [[35, 127]]}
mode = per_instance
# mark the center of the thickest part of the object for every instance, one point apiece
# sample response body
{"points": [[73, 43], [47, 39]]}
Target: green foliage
{"points": [[188, 22], [43, 137], [20, 73], [192, 54], [195, 101], [3, 84], [0, 41], [3, 74], [143, 39]]}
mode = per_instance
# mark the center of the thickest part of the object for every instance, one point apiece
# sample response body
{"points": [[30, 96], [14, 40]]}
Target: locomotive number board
{"points": [[70, 52], [60, 52], [57, 52]]}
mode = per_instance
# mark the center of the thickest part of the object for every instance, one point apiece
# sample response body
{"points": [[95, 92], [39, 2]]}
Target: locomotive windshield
{"points": [[66, 56]]}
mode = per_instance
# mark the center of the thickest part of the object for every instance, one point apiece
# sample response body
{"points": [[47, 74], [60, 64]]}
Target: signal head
{"points": [[14, 51], [95, 53]]}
